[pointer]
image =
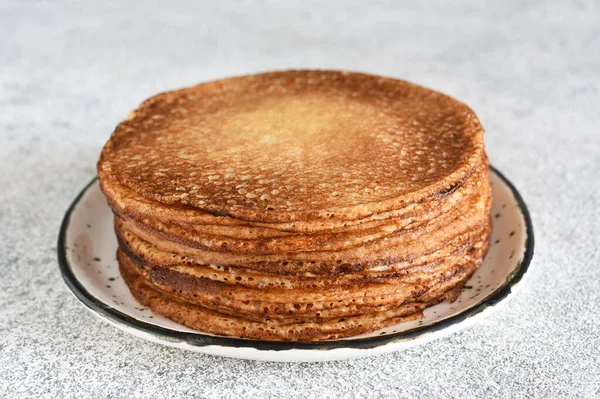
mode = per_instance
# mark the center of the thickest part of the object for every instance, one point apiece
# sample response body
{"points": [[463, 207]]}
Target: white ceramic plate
{"points": [[86, 252]]}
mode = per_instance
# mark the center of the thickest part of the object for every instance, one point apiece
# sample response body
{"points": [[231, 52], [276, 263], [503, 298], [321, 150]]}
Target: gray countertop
{"points": [[69, 72]]}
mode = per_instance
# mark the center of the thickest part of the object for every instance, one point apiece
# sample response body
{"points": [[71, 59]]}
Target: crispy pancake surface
{"points": [[295, 145], [298, 205]]}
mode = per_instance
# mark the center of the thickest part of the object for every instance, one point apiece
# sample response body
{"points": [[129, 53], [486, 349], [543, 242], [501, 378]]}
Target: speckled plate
{"points": [[86, 254]]}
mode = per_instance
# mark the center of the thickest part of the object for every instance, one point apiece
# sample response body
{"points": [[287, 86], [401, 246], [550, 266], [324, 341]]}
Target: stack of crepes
{"points": [[298, 205]]}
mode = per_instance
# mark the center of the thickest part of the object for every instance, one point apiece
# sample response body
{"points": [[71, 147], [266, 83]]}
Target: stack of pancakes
{"points": [[298, 205]]}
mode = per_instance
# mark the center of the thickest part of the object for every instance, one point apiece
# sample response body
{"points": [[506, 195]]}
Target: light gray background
{"points": [[69, 72]]}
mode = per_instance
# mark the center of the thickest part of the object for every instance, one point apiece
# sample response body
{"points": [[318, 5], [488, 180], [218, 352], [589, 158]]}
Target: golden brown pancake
{"points": [[203, 319], [270, 296], [127, 202], [295, 145], [201, 236], [298, 205], [388, 250]]}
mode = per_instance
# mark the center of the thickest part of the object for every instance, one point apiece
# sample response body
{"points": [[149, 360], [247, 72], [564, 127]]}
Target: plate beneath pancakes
{"points": [[87, 248]]}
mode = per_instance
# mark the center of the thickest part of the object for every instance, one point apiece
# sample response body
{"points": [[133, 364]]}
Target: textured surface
{"points": [[292, 145], [289, 145], [530, 73]]}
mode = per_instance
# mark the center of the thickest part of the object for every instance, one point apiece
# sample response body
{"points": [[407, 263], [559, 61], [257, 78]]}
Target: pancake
{"points": [[253, 274], [334, 297], [200, 318], [375, 254], [295, 145], [198, 236], [298, 205], [127, 202]]}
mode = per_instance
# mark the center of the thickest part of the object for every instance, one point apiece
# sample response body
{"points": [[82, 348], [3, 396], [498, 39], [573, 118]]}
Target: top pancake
{"points": [[295, 145]]}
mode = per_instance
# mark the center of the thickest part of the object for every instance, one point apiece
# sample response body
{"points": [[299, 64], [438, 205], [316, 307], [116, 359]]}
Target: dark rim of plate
{"points": [[198, 339]]}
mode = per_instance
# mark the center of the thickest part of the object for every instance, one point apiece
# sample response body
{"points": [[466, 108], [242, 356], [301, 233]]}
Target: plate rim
{"points": [[199, 340]]}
